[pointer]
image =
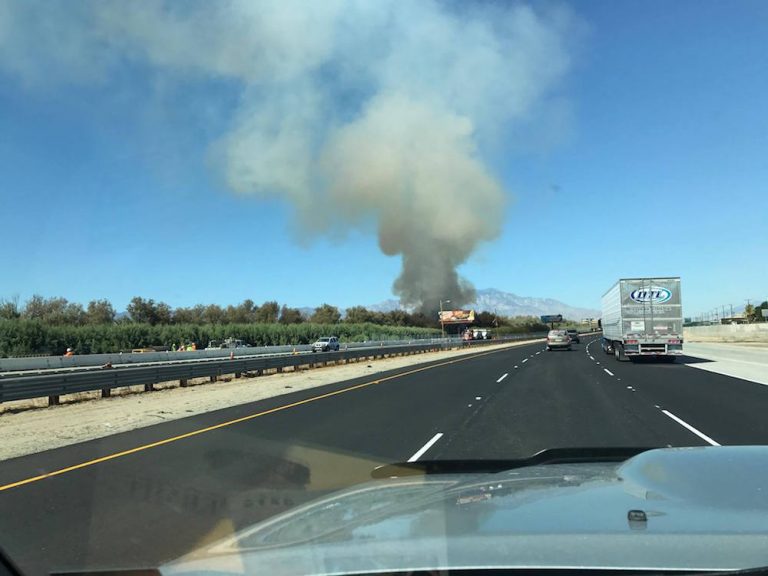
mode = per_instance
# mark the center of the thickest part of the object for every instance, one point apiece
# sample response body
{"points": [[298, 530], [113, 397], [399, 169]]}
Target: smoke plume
{"points": [[356, 112]]}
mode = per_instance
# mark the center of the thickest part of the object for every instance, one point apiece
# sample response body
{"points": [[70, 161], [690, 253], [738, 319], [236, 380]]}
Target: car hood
{"points": [[685, 508]]}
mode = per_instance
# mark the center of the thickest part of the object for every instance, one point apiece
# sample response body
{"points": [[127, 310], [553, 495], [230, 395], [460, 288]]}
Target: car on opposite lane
{"points": [[558, 339], [326, 344]]}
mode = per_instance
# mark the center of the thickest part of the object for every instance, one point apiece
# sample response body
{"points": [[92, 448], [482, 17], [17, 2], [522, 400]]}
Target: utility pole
{"points": [[442, 324]]}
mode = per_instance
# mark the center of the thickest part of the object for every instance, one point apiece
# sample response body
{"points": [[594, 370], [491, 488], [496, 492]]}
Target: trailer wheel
{"points": [[618, 353]]}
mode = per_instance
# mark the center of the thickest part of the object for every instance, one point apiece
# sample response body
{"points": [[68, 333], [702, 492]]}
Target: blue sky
{"points": [[654, 161]]}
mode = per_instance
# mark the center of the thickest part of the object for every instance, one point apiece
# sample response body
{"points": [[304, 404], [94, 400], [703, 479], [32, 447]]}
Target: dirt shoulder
{"points": [[31, 427]]}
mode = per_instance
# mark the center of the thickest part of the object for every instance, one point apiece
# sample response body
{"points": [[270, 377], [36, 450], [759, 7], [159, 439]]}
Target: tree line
{"points": [[61, 312], [51, 325]]}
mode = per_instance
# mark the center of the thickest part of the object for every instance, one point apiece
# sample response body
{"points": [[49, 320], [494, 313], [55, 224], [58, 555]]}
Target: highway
{"points": [[145, 497]]}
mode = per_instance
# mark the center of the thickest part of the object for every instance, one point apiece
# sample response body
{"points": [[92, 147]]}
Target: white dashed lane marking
{"points": [[426, 447], [685, 424]]}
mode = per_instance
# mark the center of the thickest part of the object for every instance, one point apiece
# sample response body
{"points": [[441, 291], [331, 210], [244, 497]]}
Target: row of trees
{"points": [[51, 325], [60, 312], [27, 337]]}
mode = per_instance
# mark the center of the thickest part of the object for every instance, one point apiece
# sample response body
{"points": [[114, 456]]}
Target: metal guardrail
{"points": [[58, 384], [118, 358]]}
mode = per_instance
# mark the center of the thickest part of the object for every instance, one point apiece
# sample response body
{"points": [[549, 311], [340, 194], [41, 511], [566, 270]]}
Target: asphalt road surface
{"points": [[148, 496]]}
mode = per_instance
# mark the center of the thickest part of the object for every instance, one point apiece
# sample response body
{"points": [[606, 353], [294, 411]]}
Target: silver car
{"points": [[326, 344], [558, 339]]}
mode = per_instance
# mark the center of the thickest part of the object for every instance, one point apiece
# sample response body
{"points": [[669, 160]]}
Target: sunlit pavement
{"points": [[141, 498]]}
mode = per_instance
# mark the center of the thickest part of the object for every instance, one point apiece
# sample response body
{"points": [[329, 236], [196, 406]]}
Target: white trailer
{"points": [[643, 317]]}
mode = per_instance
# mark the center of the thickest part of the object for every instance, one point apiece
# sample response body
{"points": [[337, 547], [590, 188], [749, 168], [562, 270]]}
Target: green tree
{"points": [[36, 308], [148, 311], [164, 313], [213, 314], [188, 315], [100, 312], [243, 313], [486, 319], [290, 315], [268, 313], [358, 315], [141, 311], [397, 318], [9, 309], [422, 320], [325, 314], [56, 311], [749, 312], [757, 315]]}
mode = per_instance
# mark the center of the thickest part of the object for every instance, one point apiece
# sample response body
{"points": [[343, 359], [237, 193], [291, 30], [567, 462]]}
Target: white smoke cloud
{"points": [[352, 110]]}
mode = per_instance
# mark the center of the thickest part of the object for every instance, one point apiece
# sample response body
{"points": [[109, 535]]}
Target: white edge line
{"points": [[426, 447], [525, 360], [685, 424], [608, 371], [591, 358], [502, 378]]}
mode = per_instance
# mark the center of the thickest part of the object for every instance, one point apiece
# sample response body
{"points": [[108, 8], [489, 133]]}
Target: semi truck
{"points": [[643, 317]]}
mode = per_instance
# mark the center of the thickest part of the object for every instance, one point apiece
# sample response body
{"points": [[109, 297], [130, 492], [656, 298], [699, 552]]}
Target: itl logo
{"points": [[653, 295]]}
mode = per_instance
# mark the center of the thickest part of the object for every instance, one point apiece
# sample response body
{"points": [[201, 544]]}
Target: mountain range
{"points": [[509, 304], [489, 299]]}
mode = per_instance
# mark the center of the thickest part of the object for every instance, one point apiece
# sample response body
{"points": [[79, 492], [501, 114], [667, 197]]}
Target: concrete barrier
{"points": [[727, 333]]}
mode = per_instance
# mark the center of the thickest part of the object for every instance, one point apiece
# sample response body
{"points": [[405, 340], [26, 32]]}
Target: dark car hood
{"points": [[686, 508]]}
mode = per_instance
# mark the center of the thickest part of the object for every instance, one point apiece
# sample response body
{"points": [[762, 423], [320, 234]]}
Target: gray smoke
{"points": [[356, 112]]}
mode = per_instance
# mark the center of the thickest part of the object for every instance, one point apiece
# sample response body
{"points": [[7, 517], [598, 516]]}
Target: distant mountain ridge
{"points": [[509, 304], [488, 299]]}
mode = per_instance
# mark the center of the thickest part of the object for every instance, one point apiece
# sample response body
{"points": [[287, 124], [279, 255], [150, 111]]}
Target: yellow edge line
{"points": [[87, 463]]}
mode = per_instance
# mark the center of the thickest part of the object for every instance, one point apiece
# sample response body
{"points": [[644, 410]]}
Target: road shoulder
{"points": [[745, 362]]}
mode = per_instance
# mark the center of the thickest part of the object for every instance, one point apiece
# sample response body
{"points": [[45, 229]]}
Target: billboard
{"points": [[457, 316]]}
